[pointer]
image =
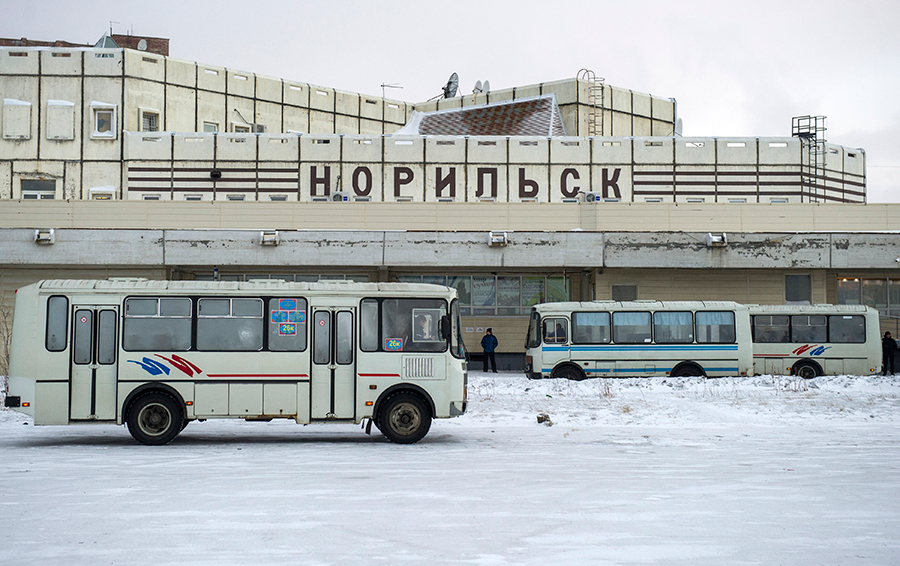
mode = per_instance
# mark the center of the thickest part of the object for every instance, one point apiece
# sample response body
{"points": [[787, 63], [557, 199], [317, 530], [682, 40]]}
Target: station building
{"points": [[120, 161]]}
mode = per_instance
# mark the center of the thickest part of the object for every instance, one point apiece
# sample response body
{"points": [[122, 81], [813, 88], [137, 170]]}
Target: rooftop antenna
{"points": [[389, 85], [486, 86], [477, 88], [449, 89], [110, 26], [451, 86]]}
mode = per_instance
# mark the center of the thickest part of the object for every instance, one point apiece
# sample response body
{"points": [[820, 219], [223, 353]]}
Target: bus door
{"points": [[333, 379], [92, 386]]}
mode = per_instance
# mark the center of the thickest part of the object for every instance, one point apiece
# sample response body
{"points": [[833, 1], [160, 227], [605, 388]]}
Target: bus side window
{"points": [[57, 323], [847, 329], [556, 330], [368, 325], [590, 327], [287, 324], [715, 327]]}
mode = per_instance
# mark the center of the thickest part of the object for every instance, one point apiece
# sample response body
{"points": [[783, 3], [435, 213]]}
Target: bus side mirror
{"points": [[445, 327]]}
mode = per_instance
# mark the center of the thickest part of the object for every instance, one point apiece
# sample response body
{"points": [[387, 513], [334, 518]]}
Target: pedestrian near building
{"points": [[489, 343], [888, 352]]}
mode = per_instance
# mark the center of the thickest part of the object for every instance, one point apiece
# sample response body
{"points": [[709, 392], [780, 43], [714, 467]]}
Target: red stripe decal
{"points": [[256, 375]]}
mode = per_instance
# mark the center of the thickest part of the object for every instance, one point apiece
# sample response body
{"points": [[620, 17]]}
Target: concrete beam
{"points": [[471, 249], [690, 250], [439, 250], [295, 248], [83, 248]]}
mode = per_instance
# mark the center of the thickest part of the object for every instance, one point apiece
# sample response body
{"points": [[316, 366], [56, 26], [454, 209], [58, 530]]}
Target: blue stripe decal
{"points": [[733, 370], [644, 348]]}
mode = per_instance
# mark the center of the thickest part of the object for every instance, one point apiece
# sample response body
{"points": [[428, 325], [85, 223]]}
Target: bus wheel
{"points": [[155, 419], [404, 418], [806, 370], [569, 372], [688, 370]]}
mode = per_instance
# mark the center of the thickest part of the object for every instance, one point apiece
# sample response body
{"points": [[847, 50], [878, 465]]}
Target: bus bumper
{"points": [[455, 410]]}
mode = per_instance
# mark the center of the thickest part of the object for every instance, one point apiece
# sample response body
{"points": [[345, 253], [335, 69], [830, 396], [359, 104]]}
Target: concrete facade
{"points": [[110, 149]]}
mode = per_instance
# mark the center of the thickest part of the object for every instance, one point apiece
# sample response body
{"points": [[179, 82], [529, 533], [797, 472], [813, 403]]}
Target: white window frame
{"points": [[98, 108], [37, 194], [240, 128], [146, 113], [215, 126], [12, 114]]}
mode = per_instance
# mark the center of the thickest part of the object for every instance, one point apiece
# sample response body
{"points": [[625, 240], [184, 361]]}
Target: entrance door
{"points": [[333, 364], [93, 382]]}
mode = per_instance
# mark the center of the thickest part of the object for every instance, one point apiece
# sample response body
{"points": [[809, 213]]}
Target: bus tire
{"points": [[573, 373], [155, 418], [404, 418], [806, 370], [687, 370]]}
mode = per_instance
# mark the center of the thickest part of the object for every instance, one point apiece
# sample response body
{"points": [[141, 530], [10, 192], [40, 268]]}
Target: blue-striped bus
{"points": [[578, 340]]}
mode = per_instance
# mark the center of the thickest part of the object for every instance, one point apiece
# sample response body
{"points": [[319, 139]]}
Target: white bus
{"points": [[156, 355], [815, 340], [640, 338]]}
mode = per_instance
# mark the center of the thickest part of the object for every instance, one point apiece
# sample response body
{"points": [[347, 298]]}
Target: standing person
{"points": [[888, 351], [489, 344]]}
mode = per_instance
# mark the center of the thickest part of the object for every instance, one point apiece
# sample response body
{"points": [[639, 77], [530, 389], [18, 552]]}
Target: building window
{"points": [[193, 197], [38, 189], [104, 120], [848, 292], [624, 292], [240, 128], [492, 295], [60, 120], [16, 119], [210, 127], [151, 197], [798, 289], [149, 120], [880, 293], [278, 198], [236, 197]]}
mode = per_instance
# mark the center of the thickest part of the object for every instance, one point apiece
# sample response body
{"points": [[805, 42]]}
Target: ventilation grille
{"points": [[419, 367]]}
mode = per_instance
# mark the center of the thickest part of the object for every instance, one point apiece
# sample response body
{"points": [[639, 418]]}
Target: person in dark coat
{"points": [[489, 344], [888, 351]]}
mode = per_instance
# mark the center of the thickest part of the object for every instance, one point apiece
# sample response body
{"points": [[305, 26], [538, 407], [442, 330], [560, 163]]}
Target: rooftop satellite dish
{"points": [[451, 86], [487, 86], [478, 87], [142, 45]]}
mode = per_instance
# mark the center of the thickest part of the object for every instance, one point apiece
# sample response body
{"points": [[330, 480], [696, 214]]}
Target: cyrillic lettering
{"points": [[482, 171], [442, 182], [523, 183], [611, 183], [563, 183], [362, 192], [324, 180], [402, 176]]}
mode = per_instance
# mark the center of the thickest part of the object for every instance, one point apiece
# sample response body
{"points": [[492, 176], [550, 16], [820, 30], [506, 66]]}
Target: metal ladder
{"points": [[595, 100], [811, 131]]}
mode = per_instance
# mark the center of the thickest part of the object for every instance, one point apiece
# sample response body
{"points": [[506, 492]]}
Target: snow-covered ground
{"points": [[656, 471]]}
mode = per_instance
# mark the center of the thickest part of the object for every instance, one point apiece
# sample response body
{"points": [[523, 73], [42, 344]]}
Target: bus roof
{"points": [[133, 285], [807, 309], [636, 305]]}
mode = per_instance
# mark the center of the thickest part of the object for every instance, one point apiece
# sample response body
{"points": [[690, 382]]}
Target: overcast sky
{"points": [[735, 69]]}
